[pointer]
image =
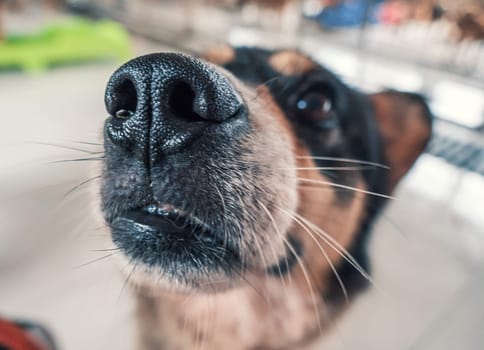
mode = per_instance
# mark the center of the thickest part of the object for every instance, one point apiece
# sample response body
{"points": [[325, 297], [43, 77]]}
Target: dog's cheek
{"points": [[325, 219], [271, 145]]}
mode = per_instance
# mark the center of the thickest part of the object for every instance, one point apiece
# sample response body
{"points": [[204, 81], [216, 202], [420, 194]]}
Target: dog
{"points": [[241, 188]]}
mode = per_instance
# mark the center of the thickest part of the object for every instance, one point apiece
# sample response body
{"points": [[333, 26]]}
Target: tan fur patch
{"points": [[291, 62], [317, 206], [404, 130], [219, 55]]}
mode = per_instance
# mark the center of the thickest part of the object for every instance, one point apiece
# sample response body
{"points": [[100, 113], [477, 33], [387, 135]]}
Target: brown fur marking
{"points": [[291, 62], [220, 55]]}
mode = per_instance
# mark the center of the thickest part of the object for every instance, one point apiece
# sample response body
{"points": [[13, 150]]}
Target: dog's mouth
{"points": [[172, 222], [163, 237]]}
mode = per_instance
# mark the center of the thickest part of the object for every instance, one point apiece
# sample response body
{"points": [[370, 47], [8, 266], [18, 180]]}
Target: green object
{"points": [[76, 40]]}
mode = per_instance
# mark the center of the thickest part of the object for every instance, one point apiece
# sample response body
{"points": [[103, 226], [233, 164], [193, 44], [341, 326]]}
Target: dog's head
{"points": [[258, 164]]}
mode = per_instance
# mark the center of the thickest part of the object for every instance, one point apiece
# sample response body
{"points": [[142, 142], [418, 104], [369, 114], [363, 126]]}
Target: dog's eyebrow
{"points": [[291, 62], [220, 55]]}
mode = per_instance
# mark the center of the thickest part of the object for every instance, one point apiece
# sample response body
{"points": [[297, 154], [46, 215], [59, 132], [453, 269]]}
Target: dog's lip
{"points": [[173, 223], [177, 217]]}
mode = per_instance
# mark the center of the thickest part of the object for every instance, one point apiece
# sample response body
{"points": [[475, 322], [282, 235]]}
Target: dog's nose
{"points": [[162, 102]]}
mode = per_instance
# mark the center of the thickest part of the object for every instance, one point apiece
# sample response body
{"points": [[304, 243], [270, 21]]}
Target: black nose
{"points": [[162, 102]]}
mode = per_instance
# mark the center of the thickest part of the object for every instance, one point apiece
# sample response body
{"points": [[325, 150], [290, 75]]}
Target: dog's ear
{"points": [[405, 123]]}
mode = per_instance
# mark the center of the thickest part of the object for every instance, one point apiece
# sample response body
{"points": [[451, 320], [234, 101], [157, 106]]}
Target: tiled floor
{"points": [[427, 254]]}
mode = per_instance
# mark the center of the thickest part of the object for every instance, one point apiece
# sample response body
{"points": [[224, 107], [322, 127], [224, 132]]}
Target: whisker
{"points": [[240, 229], [333, 268], [264, 262], [340, 281], [267, 83], [104, 250], [62, 146], [215, 319], [343, 168], [126, 281], [395, 226], [219, 256], [270, 81], [319, 187], [222, 281], [304, 271], [207, 322], [77, 160], [279, 234], [391, 222], [95, 260], [334, 244], [347, 160], [198, 334], [310, 285], [260, 251], [332, 184], [88, 143], [81, 184], [224, 213]]}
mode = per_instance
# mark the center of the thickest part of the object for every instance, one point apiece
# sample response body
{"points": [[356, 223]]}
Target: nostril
{"points": [[181, 98], [125, 100]]}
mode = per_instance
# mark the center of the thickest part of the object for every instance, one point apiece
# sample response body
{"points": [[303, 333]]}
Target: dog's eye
{"points": [[315, 108]]}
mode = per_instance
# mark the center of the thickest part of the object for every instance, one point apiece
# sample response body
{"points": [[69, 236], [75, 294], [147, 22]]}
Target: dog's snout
{"points": [[161, 102]]}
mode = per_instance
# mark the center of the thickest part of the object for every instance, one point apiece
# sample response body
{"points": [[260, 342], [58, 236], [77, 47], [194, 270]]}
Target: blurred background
{"points": [[55, 58]]}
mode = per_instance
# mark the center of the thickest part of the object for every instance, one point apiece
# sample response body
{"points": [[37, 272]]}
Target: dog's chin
{"points": [[172, 251]]}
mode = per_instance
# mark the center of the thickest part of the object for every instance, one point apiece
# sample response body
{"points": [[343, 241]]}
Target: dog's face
{"points": [[259, 164]]}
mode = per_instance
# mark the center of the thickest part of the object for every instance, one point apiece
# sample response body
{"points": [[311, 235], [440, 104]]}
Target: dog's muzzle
{"points": [[174, 120]]}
